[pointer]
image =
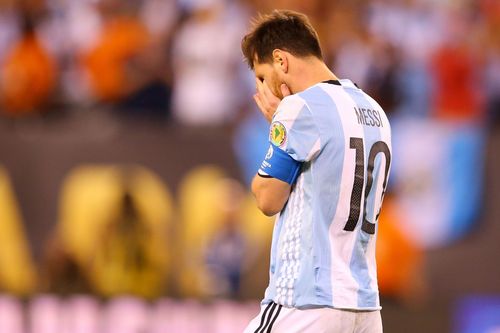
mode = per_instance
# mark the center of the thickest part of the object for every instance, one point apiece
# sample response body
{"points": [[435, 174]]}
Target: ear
{"points": [[280, 59]]}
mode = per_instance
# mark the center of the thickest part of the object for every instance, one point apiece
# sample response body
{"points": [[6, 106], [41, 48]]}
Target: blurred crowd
{"points": [[180, 61], [122, 54], [181, 58]]}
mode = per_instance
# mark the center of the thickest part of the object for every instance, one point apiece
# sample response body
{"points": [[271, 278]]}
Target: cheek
{"points": [[276, 83]]}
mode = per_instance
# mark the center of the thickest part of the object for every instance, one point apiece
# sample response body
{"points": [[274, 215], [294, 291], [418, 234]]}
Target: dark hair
{"points": [[282, 29]]}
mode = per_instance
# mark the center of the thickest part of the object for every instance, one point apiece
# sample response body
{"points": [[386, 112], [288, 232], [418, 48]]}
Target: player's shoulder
{"points": [[292, 102], [291, 106], [321, 96]]}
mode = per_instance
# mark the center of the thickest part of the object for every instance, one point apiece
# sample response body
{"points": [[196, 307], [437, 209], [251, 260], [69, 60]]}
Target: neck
{"points": [[309, 72]]}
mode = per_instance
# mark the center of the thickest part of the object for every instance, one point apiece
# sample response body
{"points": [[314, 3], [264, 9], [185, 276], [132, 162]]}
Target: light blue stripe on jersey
{"points": [[367, 297]]}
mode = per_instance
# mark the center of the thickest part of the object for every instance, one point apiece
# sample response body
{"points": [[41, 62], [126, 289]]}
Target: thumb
{"points": [[285, 91]]}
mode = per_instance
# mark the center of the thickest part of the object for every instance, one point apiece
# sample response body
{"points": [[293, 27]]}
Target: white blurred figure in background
{"points": [[77, 30], [159, 16], [207, 63]]}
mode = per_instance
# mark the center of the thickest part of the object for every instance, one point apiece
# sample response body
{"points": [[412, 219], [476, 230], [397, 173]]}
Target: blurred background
{"points": [[128, 139]]}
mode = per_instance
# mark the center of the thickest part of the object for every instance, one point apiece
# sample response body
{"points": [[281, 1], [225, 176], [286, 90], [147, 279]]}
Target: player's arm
{"points": [[271, 194], [273, 182]]}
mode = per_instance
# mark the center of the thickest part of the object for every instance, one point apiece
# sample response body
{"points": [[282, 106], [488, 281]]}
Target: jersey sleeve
{"points": [[294, 130]]}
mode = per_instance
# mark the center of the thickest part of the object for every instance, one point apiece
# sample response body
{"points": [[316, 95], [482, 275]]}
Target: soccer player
{"points": [[325, 173]]}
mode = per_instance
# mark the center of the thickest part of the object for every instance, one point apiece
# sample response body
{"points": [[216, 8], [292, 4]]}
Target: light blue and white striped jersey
{"points": [[323, 248]]}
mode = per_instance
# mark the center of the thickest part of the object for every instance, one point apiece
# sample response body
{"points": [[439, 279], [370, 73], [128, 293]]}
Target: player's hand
{"points": [[266, 100]]}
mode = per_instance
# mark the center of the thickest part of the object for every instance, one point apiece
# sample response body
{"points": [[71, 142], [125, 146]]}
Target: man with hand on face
{"points": [[325, 173]]}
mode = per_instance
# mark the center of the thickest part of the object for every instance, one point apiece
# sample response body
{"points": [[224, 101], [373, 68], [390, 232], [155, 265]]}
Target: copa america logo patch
{"points": [[277, 135]]}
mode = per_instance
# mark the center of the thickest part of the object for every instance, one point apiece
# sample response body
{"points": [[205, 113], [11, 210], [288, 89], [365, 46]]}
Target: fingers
{"points": [[264, 90], [285, 91], [259, 86], [265, 109], [266, 100], [258, 102], [261, 97], [272, 98]]}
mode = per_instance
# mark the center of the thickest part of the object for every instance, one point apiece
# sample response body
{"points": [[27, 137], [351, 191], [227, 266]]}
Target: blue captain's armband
{"points": [[278, 164]]}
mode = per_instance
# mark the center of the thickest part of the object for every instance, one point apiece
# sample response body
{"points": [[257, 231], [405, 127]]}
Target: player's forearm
{"points": [[271, 194]]}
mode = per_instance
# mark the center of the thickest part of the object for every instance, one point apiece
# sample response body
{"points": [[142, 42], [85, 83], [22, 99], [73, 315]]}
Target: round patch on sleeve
{"points": [[277, 136]]}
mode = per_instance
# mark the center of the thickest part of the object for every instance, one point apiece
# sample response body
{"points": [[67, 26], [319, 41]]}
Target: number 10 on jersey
{"points": [[359, 182]]}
